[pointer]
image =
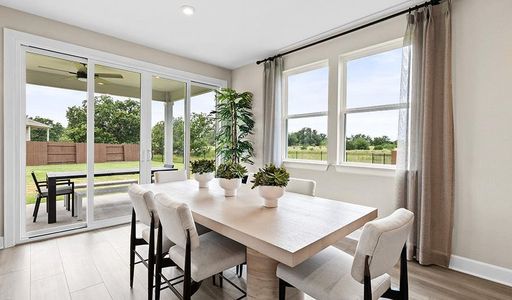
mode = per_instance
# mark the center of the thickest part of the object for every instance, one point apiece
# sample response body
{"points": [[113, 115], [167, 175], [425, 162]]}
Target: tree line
{"points": [[307, 137], [118, 122]]}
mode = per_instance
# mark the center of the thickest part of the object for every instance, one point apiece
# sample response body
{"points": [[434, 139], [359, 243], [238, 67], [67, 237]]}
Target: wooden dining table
{"points": [[297, 229]]}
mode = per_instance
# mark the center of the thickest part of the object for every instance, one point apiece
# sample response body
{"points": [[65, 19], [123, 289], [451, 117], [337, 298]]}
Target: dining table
{"points": [[298, 228], [53, 177]]}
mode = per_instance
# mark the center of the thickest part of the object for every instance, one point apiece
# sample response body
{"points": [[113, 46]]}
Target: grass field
{"points": [[361, 156]]}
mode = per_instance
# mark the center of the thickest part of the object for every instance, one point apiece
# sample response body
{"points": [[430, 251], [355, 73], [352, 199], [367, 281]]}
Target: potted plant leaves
{"points": [[230, 177], [271, 182], [203, 170]]}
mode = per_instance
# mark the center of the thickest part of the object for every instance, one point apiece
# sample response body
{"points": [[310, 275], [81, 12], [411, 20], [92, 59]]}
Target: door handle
{"points": [[148, 156]]}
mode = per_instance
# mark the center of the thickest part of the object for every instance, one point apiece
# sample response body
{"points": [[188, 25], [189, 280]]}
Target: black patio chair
{"points": [[65, 187]]}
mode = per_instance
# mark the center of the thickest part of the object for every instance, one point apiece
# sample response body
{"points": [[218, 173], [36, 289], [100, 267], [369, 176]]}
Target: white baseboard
{"points": [[481, 269], [1, 242]]}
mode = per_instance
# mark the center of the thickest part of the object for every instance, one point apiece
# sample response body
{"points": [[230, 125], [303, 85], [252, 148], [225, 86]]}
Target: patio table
{"points": [[53, 177]]}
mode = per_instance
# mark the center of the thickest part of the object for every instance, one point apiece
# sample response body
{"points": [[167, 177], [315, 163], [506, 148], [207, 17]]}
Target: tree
{"points": [[307, 137], [115, 121], [202, 133], [56, 130], [358, 142], [157, 138]]}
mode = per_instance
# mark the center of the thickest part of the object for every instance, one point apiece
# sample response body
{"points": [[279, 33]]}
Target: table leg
{"points": [[52, 200]]}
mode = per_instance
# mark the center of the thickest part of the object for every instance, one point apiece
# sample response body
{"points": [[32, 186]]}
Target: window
{"points": [[371, 89], [305, 112]]}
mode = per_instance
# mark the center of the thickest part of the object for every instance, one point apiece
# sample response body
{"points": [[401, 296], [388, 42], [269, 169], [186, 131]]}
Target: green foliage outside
{"points": [[56, 130], [271, 175]]}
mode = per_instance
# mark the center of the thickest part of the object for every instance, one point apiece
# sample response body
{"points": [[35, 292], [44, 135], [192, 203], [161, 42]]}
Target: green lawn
{"points": [[320, 153]]}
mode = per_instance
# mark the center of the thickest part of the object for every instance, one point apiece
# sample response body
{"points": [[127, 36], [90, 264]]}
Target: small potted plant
{"points": [[230, 177], [271, 182], [203, 170]]}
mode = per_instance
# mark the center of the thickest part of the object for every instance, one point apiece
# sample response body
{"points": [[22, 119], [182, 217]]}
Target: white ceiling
{"points": [[228, 33]]}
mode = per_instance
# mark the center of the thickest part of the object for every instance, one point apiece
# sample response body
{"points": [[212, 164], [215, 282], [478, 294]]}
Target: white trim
{"points": [[306, 164], [481, 269], [1, 242], [366, 169]]}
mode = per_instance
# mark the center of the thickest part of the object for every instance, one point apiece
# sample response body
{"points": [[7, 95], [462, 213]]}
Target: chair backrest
{"points": [[301, 186], [382, 240], [176, 218], [36, 182], [250, 177], [142, 201], [170, 176]]}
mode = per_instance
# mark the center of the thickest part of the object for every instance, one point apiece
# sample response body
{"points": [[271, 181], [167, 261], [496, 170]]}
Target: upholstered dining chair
{"points": [[333, 274], [199, 256], [170, 176], [301, 186], [144, 210]]}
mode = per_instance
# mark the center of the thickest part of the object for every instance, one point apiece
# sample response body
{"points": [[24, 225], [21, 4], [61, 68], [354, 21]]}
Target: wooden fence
{"points": [[45, 153]]}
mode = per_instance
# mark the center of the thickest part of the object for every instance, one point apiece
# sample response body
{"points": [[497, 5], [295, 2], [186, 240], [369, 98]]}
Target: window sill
{"points": [[306, 164], [366, 169]]}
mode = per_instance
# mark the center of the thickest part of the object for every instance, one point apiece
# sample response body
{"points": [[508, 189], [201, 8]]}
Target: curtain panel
{"points": [[425, 160], [272, 104]]}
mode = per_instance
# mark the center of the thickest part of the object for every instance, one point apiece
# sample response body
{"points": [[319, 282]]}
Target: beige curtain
{"points": [[272, 111], [425, 162]]}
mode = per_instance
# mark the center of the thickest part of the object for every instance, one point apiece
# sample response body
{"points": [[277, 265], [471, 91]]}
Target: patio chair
{"points": [[65, 187]]}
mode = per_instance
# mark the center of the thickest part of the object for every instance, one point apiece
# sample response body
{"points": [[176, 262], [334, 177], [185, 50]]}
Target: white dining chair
{"points": [[144, 210], [200, 256], [301, 186], [170, 176], [334, 274]]}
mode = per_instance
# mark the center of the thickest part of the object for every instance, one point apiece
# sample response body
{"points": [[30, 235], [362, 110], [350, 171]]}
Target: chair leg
{"points": [[151, 261], [36, 208], [132, 248], [282, 289], [241, 271], [159, 257], [221, 280]]}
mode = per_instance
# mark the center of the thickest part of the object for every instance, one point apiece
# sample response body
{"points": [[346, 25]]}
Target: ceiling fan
{"points": [[81, 73]]}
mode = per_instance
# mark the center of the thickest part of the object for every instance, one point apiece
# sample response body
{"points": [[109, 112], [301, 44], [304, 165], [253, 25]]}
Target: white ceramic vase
{"points": [[203, 179], [230, 186], [271, 194]]}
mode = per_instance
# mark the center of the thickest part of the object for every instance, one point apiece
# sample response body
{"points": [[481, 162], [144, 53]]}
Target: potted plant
{"points": [[271, 182], [230, 177], [203, 170]]}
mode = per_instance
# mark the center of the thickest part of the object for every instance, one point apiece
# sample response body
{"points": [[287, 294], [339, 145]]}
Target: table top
{"points": [[83, 174], [298, 228]]}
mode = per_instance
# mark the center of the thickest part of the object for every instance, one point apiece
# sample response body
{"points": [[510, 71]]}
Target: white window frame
{"points": [[285, 116], [343, 111]]}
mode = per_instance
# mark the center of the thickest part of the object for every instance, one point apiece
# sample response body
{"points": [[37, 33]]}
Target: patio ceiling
{"points": [[55, 72]]}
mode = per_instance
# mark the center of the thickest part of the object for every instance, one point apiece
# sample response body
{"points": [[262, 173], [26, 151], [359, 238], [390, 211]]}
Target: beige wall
{"points": [[47, 28], [482, 52]]}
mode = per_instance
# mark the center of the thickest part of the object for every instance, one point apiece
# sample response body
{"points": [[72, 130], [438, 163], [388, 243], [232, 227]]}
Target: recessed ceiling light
{"points": [[100, 83], [187, 10]]}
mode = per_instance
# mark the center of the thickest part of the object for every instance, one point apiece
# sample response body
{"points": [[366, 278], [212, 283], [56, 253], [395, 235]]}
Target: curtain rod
{"points": [[432, 2]]}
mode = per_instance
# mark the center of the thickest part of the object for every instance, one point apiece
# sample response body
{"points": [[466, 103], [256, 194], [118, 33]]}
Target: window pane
{"points": [[371, 137], [307, 91], [307, 138], [374, 80], [202, 123]]}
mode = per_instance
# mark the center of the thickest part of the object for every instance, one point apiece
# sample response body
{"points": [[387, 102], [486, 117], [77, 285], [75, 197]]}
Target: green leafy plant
{"points": [[202, 166], [271, 175], [231, 170], [235, 119]]}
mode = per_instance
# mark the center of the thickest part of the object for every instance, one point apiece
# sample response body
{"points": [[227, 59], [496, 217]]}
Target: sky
{"points": [[371, 80], [52, 103]]}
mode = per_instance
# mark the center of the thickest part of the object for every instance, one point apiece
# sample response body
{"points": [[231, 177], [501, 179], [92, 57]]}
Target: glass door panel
{"points": [[56, 136], [202, 122], [168, 122], [117, 123]]}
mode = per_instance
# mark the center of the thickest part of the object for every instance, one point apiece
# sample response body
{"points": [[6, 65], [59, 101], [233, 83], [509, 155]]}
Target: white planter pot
{"points": [[230, 186], [271, 194], [203, 179]]}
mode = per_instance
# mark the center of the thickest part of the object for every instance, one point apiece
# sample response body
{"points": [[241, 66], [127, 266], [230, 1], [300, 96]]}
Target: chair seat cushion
{"points": [[327, 276], [215, 254], [166, 243], [61, 190]]}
